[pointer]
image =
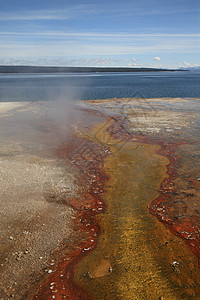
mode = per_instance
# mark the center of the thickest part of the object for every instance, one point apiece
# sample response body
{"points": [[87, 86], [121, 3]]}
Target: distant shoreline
{"points": [[38, 69]]}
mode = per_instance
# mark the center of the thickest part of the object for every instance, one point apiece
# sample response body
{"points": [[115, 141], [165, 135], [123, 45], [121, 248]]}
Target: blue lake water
{"points": [[44, 87]]}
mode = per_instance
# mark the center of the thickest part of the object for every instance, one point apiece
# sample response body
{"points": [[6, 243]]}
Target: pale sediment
{"points": [[31, 227]]}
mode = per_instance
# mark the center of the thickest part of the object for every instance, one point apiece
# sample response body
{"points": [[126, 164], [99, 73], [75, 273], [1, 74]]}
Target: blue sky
{"points": [[156, 33]]}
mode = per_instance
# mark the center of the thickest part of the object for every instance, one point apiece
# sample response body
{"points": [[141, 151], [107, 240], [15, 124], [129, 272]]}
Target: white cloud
{"points": [[67, 61], [97, 44], [70, 12], [156, 58], [186, 64], [94, 47], [99, 34], [87, 62], [73, 43], [56, 14]]}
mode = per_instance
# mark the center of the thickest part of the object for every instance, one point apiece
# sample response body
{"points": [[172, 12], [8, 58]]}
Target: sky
{"points": [[102, 33]]}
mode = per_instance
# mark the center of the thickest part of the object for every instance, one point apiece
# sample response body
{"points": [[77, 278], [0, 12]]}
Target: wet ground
{"points": [[121, 185]]}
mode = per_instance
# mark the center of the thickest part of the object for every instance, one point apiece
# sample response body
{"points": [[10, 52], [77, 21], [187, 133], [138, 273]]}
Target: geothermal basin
{"points": [[100, 200]]}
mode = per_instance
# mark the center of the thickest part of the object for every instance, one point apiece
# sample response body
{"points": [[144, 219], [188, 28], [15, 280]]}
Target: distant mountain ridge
{"points": [[192, 69], [44, 69]]}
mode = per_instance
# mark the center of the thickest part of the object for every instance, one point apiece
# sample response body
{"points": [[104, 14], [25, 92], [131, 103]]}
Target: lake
{"points": [[44, 87]]}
